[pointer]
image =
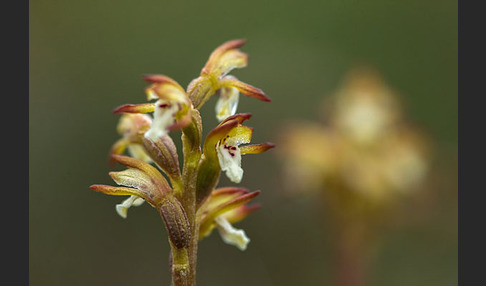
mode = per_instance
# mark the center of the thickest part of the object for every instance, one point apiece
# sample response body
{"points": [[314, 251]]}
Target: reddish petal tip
{"points": [[239, 117]]}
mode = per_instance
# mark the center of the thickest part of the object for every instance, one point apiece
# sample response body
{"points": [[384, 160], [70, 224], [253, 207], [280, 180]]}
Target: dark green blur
{"points": [[88, 57]]}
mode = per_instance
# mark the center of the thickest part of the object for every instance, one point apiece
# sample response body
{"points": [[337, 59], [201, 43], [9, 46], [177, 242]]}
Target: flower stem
{"points": [[183, 262], [180, 267]]}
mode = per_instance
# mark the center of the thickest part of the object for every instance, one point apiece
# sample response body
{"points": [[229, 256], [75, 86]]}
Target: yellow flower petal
{"points": [[135, 108], [256, 149], [117, 191]]}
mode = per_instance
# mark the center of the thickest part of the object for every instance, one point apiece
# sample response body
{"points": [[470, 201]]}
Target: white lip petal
{"points": [[122, 209], [164, 114], [230, 161], [231, 235]]}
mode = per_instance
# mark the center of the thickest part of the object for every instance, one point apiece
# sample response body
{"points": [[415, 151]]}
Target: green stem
{"points": [[184, 261], [180, 267]]}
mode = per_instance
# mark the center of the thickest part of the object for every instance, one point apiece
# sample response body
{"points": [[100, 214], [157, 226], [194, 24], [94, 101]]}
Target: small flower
{"points": [[214, 77], [171, 110], [224, 141], [144, 181], [140, 179], [224, 207], [132, 127]]}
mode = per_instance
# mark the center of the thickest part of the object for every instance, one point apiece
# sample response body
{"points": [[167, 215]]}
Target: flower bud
{"points": [[164, 153], [176, 222]]}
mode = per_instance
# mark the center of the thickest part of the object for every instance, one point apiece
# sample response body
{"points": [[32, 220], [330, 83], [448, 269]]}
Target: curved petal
{"points": [[165, 88], [118, 191], [135, 108], [231, 235], [225, 58], [244, 88], [223, 195], [256, 149], [137, 179], [239, 213], [218, 206]]}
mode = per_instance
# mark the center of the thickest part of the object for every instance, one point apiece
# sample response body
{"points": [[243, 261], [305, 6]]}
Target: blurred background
{"points": [[88, 57]]}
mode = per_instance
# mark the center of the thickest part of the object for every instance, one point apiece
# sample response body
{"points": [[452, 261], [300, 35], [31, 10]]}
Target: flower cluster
{"points": [[361, 160], [187, 196], [364, 151]]}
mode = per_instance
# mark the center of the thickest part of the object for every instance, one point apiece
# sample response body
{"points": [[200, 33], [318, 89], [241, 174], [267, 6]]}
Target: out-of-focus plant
{"points": [[187, 198], [362, 158]]}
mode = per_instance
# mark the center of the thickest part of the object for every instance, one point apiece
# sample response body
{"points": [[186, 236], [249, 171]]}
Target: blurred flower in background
{"points": [[361, 159]]}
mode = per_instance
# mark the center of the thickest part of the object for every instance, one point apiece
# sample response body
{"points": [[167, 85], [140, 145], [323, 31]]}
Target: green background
{"points": [[88, 57]]}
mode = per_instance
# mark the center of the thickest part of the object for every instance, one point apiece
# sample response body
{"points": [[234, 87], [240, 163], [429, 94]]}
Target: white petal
{"points": [[227, 103], [231, 235], [230, 162], [163, 118], [122, 209]]}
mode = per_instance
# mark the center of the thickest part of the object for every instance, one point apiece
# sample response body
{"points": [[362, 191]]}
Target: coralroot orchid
{"points": [[186, 198]]}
